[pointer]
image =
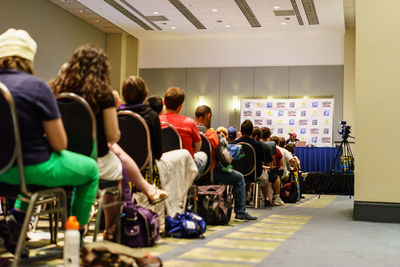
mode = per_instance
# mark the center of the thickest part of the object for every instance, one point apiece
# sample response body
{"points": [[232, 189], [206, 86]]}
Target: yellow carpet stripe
{"points": [[180, 263], [268, 230], [290, 217], [257, 236], [285, 221], [243, 244], [246, 256], [324, 201], [278, 225]]}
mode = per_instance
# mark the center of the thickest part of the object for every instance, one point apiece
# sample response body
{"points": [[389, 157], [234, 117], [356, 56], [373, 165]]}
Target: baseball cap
{"points": [[232, 132], [17, 43]]}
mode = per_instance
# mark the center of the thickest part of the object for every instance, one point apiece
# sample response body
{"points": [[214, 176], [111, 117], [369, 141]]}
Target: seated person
{"points": [[44, 141], [289, 161], [223, 132], [156, 103], [87, 75], [233, 177], [232, 134], [203, 118], [290, 148], [134, 92], [185, 126], [256, 134], [247, 129]]}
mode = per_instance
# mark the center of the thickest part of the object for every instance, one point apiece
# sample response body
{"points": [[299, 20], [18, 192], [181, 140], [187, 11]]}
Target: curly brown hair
{"points": [[16, 63], [87, 74]]}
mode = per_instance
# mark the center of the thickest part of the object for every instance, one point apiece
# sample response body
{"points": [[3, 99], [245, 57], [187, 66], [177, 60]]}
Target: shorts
{"points": [[263, 178], [110, 167]]}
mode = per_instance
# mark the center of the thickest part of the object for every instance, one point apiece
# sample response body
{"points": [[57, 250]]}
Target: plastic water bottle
{"points": [[72, 241]]}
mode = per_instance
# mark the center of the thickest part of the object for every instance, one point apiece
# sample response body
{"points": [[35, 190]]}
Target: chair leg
{"points": [[98, 215], [195, 199], [257, 198]]}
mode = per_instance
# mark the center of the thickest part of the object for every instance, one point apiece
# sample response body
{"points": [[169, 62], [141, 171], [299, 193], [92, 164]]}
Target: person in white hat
{"points": [[44, 141]]}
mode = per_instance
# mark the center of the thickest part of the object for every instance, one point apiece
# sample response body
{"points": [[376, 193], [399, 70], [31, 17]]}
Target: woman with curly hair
{"points": [[43, 138], [87, 75]]}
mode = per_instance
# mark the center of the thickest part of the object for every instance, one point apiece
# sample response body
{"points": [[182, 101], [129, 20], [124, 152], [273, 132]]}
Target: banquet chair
{"points": [[11, 155]]}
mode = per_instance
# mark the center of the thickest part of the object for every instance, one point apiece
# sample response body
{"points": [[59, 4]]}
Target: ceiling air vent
{"points": [[157, 18], [248, 13], [284, 13], [297, 12], [140, 14], [128, 14], [309, 8], [189, 15]]}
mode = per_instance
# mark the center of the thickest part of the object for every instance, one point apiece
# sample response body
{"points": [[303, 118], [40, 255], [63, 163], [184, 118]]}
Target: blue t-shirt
{"points": [[35, 103]]}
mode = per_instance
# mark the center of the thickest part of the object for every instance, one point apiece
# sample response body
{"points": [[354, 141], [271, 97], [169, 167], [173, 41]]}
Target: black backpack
{"points": [[223, 154], [289, 192], [215, 204]]}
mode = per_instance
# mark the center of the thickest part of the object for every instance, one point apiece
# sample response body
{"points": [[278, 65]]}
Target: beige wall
{"points": [[57, 32], [349, 82], [122, 50], [377, 99]]}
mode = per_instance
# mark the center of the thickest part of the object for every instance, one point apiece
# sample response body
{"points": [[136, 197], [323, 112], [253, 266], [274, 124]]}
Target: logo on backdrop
{"points": [[315, 104], [269, 122], [327, 104], [314, 122], [303, 113], [303, 131], [291, 122], [326, 140], [258, 122], [326, 112], [314, 130], [247, 104], [281, 105], [247, 113], [280, 130], [292, 113], [258, 113], [269, 104], [280, 113], [326, 130], [314, 139], [303, 122], [292, 104]]}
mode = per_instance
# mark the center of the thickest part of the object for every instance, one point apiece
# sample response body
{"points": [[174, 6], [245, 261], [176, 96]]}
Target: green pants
{"points": [[63, 169]]}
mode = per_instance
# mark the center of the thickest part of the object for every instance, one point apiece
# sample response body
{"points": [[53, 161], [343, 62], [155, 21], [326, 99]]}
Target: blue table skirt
{"points": [[318, 159]]}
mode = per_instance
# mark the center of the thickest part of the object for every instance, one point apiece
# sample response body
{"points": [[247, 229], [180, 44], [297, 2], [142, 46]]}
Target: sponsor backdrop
{"points": [[310, 119]]}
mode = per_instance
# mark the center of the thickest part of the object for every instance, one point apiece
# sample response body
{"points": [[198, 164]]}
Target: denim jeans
{"points": [[200, 158], [236, 179]]}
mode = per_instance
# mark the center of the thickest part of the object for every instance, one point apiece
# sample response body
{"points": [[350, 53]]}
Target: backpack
{"points": [[215, 204], [223, 154], [186, 225], [140, 227], [289, 192]]}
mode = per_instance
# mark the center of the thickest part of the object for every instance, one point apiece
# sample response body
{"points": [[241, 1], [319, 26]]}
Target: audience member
{"points": [[87, 75], [134, 91], [117, 98], [256, 134], [288, 159], [156, 103], [230, 177], [290, 148], [223, 132], [276, 173], [232, 133], [185, 126], [203, 118], [43, 137]]}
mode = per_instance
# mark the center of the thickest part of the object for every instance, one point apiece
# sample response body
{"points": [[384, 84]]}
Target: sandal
{"points": [[158, 196]]}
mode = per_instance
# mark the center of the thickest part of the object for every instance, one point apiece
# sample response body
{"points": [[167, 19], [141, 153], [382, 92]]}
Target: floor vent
{"points": [[248, 13], [189, 15]]}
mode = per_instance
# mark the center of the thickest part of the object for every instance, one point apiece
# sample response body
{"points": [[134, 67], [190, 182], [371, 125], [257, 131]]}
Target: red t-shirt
{"points": [[186, 127]]}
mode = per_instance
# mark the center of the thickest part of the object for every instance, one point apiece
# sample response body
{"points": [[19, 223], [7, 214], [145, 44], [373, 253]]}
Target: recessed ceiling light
{"points": [[173, 27], [283, 23], [156, 12], [97, 20], [81, 11], [214, 10], [227, 26], [276, 7]]}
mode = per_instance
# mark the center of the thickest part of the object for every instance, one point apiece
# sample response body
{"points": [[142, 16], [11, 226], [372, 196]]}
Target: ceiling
{"points": [[212, 17]]}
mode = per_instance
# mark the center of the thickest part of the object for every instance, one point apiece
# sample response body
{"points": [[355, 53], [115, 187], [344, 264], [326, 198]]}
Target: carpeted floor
{"points": [[314, 232]]}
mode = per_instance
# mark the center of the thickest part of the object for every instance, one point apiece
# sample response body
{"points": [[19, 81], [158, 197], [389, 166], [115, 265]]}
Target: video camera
{"points": [[345, 131]]}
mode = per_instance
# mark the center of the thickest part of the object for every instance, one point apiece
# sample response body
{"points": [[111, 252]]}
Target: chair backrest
{"points": [[79, 123], [247, 164], [10, 140], [135, 138], [171, 139], [207, 148]]}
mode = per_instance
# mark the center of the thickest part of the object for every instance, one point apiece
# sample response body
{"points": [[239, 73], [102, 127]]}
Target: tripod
{"points": [[348, 163]]}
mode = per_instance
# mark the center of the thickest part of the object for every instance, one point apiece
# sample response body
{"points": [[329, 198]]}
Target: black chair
{"points": [[80, 126], [11, 155], [135, 139], [247, 166], [207, 176], [171, 139]]}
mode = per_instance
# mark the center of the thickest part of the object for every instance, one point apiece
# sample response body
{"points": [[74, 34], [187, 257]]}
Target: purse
{"points": [[140, 227]]}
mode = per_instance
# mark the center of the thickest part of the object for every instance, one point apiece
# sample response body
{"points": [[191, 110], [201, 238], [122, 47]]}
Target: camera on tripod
{"points": [[345, 131]]}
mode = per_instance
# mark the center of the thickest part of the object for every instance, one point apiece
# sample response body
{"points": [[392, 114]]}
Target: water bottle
{"points": [[72, 241]]}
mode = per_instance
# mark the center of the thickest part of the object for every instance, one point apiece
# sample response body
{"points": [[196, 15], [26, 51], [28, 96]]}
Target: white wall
{"points": [[279, 49]]}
